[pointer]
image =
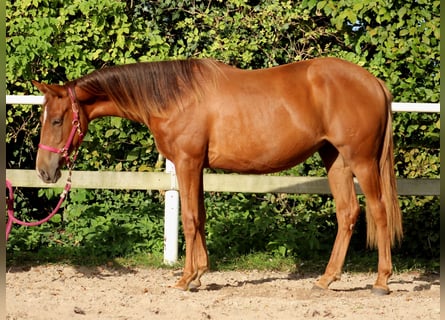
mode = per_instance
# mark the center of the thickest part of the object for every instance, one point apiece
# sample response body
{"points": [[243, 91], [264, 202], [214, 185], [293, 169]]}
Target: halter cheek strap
{"points": [[75, 129]]}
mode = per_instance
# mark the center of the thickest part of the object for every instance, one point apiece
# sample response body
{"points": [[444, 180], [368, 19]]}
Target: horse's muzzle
{"points": [[48, 166], [49, 177]]}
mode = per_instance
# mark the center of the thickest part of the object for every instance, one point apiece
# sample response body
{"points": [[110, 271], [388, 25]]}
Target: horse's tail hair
{"points": [[388, 185]]}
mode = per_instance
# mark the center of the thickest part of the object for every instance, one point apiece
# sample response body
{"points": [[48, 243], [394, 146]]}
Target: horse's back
{"points": [[270, 119], [309, 87]]}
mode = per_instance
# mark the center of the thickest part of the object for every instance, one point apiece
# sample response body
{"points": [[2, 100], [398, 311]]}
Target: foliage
{"points": [[99, 223], [55, 41], [283, 224]]}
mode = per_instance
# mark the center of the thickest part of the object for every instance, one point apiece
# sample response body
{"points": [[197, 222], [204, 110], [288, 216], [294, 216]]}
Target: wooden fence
{"points": [[212, 182]]}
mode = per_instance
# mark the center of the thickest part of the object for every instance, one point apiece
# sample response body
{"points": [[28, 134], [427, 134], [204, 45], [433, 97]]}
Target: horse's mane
{"points": [[150, 88]]}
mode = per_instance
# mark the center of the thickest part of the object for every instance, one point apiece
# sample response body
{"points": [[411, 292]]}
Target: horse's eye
{"points": [[57, 122]]}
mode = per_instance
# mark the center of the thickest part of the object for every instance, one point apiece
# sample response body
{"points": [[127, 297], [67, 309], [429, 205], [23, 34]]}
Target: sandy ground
{"points": [[66, 292]]}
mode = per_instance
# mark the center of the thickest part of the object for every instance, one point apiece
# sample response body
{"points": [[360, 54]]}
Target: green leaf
{"points": [[57, 218], [133, 155]]}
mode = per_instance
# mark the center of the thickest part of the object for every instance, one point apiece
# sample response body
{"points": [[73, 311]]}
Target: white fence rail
{"points": [[246, 183], [212, 182], [396, 106]]}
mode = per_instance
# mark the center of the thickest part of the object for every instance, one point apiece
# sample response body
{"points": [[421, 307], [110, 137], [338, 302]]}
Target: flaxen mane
{"points": [[150, 86]]}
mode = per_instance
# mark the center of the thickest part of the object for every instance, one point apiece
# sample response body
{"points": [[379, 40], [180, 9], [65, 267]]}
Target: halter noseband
{"points": [[75, 129]]}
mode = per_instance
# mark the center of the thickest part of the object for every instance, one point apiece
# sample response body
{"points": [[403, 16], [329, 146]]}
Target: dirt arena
{"points": [[66, 292]]}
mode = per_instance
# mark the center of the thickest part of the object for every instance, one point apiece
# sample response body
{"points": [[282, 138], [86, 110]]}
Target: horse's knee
{"points": [[189, 225]]}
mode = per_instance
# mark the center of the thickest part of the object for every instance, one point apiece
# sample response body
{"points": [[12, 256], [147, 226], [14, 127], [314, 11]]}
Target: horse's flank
{"points": [[150, 89]]}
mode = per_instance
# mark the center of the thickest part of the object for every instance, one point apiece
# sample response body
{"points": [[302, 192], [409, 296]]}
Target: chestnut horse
{"points": [[205, 114]]}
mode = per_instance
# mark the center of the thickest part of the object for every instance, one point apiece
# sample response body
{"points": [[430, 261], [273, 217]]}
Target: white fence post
{"points": [[171, 217]]}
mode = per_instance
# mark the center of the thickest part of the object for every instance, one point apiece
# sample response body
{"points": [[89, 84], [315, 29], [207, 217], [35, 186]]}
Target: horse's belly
{"points": [[268, 134], [259, 156]]}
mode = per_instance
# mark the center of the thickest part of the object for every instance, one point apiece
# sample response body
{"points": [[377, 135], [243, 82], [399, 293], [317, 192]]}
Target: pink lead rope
{"points": [[10, 203], [70, 163]]}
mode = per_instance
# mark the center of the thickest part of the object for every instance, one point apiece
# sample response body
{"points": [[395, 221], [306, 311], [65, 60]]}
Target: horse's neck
{"points": [[102, 109], [107, 108]]}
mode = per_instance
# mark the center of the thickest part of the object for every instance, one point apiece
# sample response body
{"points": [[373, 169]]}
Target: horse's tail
{"points": [[387, 184]]}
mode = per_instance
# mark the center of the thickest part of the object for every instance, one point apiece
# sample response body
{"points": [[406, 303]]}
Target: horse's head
{"points": [[63, 127]]}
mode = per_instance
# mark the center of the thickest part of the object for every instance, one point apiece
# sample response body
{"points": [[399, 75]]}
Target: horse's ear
{"points": [[40, 86], [53, 89], [82, 95]]}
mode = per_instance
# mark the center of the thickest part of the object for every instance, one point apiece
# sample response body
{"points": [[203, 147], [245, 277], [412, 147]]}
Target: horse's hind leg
{"points": [[368, 177], [342, 187]]}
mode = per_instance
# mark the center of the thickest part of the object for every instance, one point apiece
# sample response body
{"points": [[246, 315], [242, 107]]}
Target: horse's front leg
{"points": [[193, 221], [200, 256]]}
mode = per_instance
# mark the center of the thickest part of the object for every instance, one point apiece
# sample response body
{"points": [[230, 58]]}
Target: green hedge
{"points": [[55, 41]]}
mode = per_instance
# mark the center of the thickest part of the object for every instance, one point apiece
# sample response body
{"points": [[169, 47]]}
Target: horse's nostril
{"points": [[44, 176], [57, 175]]}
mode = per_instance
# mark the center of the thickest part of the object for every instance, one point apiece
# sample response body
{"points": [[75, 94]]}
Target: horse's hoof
{"points": [[321, 285], [180, 286], [380, 291], [317, 287], [195, 284]]}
